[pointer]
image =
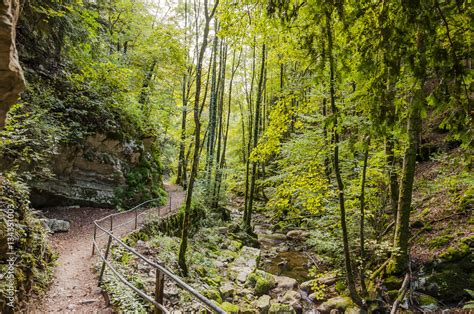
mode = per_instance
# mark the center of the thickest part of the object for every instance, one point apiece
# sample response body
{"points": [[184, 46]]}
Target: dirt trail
{"points": [[74, 287]]}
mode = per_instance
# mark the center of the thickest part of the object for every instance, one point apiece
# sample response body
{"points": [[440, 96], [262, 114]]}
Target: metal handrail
{"points": [[160, 269]]}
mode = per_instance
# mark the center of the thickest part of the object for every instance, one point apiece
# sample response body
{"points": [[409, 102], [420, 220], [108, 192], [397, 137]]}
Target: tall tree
{"points": [[197, 130], [248, 216]]}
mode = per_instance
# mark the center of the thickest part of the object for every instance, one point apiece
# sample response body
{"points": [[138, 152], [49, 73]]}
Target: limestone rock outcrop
{"points": [[12, 82], [94, 172]]}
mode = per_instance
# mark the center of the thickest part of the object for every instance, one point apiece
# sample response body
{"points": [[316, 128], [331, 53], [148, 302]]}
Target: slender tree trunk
{"points": [[345, 238], [242, 122], [220, 110], [144, 92], [184, 236], [226, 133], [392, 175], [362, 218], [250, 126], [181, 176], [248, 220], [212, 118]]}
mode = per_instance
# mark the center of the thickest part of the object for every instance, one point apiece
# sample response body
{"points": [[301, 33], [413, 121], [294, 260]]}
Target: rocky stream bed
{"points": [[273, 278]]}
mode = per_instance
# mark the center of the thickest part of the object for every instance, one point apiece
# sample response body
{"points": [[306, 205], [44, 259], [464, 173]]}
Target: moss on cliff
{"points": [[34, 258]]}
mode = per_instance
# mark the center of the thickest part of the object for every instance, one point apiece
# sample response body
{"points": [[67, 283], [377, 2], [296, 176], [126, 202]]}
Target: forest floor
{"points": [[74, 287]]}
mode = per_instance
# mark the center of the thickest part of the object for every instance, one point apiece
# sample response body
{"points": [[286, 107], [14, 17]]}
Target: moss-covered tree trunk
{"points": [[400, 259], [399, 262]]}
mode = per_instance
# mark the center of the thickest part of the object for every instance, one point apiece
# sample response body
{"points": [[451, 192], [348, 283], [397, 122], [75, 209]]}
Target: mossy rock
{"points": [[280, 308], [235, 245], [230, 308], [214, 281], [213, 294], [427, 303], [440, 241], [35, 259], [339, 303], [201, 271], [448, 283], [453, 254], [424, 299], [392, 283], [262, 286], [392, 295], [248, 309], [468, 241], [261, 281]]}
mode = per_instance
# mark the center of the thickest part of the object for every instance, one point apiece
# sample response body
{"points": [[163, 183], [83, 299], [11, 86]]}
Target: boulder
{"points": [[338, 303], [99, 171], [56, 225], [354, 310], [249, 257], [297, 234], [313, 297], [293, 298], [230, 308], [262, 281], [213, 294], [227, 290], [263, 304], [427, 303], [280, 308], [285, 282], [307, 286], [239, 273]]}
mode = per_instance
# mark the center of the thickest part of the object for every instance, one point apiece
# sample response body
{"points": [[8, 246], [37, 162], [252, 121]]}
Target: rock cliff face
{"points": [[11, 75], [98, 172]]}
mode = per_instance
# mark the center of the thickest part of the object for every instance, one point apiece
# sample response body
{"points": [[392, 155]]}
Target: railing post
{"points": [[105, 258], [109, 242], [95, 236], [136, 218], [159, 287]]}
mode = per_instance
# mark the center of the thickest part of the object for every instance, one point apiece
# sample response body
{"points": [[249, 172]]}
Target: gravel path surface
{"points": [[74, 287]]}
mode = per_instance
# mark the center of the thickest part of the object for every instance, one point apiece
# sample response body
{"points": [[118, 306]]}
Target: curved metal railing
{"points": [[161, 270]]}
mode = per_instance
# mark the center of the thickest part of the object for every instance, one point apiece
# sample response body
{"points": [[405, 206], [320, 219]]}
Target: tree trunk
{"points": [[362, 219], [248, 218], [184, 235], [345, 238], [212, 118], [399, 261], [392, 175]]}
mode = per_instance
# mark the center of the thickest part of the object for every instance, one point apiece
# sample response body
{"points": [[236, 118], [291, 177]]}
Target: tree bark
{"points": [[400, 259], [248, 218], [184, 235], [345, 238], [362, 219]]}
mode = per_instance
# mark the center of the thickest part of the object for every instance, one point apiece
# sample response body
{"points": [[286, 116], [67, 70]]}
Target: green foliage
{"points": [[319, 289], [30, 128], [440, 241], [122, 296], [469, 304], [34, 264]]}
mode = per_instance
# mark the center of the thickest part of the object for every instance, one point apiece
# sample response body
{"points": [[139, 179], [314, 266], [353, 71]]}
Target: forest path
{"points": [[74, 287]]}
